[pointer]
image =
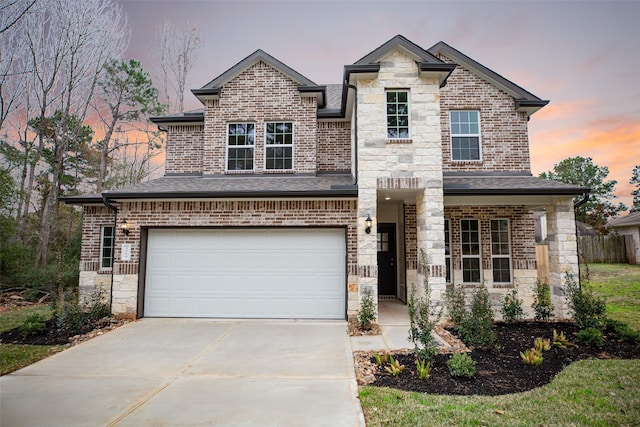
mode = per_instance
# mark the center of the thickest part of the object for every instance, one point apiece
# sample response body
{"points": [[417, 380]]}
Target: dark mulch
{"points": [[502, 372], [51, 334]]}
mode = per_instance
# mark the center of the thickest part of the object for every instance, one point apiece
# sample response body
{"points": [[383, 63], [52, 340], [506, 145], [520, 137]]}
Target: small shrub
{"points": [[96, 306], [461, 365], [541, 345], [589, 310], [33, 325], [560, 340], [367, 311], [592, 337], [542, 302], [423, 317], [476, 328], [621, 331], [455, 302], [531, 357], [394, 367], [424, 369], [512, 307], [382, 358]]}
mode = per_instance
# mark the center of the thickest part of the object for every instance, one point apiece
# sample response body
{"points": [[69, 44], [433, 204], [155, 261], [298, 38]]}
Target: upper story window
{"points": [[397, 114], [279, 146], [465, 135], [106, 246], [240, 145]]}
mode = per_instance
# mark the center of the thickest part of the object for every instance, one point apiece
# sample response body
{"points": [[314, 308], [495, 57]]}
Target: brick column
{"points": [[563, 252]]}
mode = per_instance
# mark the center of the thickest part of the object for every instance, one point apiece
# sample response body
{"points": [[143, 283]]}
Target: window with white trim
{"points": [[397, 114], [240, 145], [447, 249], [107, 239], [500, 251], [278, 146], [465, 135], [471, 259]]}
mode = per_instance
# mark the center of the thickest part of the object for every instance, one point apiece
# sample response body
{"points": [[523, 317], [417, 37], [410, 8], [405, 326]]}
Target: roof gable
{"points": [[525, 100], [398, 41]]}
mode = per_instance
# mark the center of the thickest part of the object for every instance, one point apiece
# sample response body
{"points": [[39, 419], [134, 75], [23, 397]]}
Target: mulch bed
{"points": [[54, 336], [502, 372]]}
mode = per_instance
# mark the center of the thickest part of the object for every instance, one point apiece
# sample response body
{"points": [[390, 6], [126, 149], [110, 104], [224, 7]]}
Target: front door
{"points": [[386, 259]]}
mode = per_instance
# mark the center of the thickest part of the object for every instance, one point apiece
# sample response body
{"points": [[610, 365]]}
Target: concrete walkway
{"points": [[182, 372]]}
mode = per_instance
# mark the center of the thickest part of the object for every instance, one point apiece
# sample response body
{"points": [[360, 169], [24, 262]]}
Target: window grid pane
{"points": [[465, 135], [500, 251], [107, 243], [279, 146], [470, 242], [447, 250], [240, 143], [397, 114]]}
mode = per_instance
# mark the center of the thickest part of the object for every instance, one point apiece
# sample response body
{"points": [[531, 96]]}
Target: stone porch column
{"points": [[367, 243], [563, 251], [430, 237]]}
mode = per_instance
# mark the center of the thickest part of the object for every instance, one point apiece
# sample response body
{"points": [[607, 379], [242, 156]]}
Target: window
{"points": [[500, 251], [397, 114], [447, 249], [240, 143], [106, 246], [279, 146], [470, 238], [465, 135]]}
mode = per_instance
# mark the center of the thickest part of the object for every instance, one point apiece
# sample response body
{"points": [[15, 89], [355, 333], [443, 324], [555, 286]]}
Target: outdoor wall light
{"points": [[124, 226], [368, 223]]}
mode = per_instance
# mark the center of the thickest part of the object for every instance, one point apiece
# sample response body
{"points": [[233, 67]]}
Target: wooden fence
{"points": [[608, 249]]}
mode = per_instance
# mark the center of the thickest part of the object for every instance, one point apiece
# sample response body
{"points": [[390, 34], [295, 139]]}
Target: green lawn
{"points": [[587, 393], [620, 285], [14, 357]]}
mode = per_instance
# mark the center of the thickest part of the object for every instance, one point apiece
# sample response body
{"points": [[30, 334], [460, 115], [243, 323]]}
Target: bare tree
{"points": [[12, 11], [178, 47]]}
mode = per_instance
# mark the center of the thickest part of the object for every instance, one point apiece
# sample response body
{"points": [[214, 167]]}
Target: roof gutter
{"points": [[106, 202]]}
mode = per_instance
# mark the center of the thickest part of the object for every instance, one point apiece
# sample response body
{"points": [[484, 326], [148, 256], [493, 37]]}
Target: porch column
{"points": [[430, 237], [367, 243], [563, 252]]}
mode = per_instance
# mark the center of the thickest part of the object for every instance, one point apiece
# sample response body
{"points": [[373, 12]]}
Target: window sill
{"points": [[503, 285], [399, 141], [466, 162], [279, 171], [104, 271], [240, 172]]}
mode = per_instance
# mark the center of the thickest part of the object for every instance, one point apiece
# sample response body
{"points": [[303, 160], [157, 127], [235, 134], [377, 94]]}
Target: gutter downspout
{"points": [[115, 232], [585, 199], [355, 130]]}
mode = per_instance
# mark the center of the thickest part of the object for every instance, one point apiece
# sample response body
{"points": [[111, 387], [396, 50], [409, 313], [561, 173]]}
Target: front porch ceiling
{"points": [[533, 201], [398, 195]]}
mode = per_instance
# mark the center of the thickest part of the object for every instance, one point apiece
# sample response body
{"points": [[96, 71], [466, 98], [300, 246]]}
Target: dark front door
{"points": [[387, 259]]}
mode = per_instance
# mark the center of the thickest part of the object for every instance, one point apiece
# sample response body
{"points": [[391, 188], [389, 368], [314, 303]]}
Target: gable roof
{"points": [[398, 41], [625, 221], [525, 100]]}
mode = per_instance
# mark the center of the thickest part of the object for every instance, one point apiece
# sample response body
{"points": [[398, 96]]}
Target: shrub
{"points": [[423, 317], [476, 328], [531, 357], [424, 368], [367, 311], [560, 340], [591, 336], [456, 307], [512, 307], [461, 365], [394, 367], [542, 301], [621, 331], [589, 310], [33, 325]]}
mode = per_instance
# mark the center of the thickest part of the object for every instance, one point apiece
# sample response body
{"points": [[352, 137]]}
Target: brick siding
{"points": [[410, 236], [504, 138], [184, 149], [334, 146], [94, 218]]}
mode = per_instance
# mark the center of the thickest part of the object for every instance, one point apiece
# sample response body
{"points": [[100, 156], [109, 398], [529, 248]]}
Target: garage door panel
{"points": [[257, 273]]}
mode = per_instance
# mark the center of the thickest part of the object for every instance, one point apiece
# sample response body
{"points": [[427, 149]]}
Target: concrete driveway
{"points": [[185, 372]]}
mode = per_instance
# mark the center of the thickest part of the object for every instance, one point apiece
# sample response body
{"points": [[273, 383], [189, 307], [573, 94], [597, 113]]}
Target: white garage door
{"points": [[246, 273]]}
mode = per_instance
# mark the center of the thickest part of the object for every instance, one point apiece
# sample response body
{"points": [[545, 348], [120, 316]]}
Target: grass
{"points": [[587, 393], [14, 356], [620, 285]]}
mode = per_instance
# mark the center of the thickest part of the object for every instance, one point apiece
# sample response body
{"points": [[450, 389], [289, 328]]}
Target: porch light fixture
{"points": [[368, 223], [124, 226]]}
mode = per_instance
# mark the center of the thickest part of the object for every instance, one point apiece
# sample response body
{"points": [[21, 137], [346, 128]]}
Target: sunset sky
{"points": [[583, 56]]}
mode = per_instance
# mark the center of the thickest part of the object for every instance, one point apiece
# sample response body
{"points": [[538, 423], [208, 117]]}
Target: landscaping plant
{"points": [[33, 325], [511, 307], [367, 311], [461, 365], [476, 328], [531, 357], [382, 358], [560, 340], [456, 306], [589, 309], [542, 301], [621, 331], [394, 367], [541, 344], [592, 337], [424, 368]]}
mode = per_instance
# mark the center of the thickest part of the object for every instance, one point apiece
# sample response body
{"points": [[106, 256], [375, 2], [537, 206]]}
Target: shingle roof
{"points": [[625, 221], [474, 183]]}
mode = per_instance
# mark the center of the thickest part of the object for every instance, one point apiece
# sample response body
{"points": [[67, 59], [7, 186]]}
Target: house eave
{"points": [[441, 72]]}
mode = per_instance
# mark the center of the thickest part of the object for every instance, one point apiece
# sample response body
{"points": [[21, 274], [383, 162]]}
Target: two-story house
{"points": [[283, 198]]}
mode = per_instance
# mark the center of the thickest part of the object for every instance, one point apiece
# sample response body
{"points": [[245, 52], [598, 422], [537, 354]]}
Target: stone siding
{"points": [[334, 146], [504, 136], [258, 95], [184, 149]]}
